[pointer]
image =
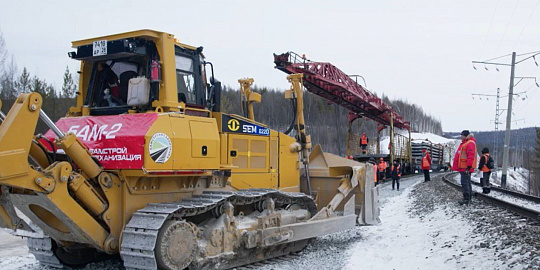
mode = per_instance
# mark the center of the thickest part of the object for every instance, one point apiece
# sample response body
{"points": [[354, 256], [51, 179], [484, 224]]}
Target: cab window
{"points": [[110, 83], [185, 80]]}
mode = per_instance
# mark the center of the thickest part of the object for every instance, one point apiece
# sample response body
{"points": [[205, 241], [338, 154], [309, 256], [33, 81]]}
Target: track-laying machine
{"points": [[147, 167]]}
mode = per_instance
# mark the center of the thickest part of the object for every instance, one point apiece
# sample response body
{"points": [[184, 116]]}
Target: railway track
{"points": [[518, 209], [511, 192]]}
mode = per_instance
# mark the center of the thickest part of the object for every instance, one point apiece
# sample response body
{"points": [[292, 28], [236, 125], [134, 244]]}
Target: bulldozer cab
{"points": [[141, 71]]}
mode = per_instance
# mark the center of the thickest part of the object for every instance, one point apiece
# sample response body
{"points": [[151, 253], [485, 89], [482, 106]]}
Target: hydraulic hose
{"points": [[293, 119], [50, 144]]}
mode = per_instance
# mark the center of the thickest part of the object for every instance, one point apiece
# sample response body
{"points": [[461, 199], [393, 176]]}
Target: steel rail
{"points": [[511, 192], [523, 211]]}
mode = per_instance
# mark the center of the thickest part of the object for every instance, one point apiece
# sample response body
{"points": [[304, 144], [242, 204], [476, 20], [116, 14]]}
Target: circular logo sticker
{"points": [[233, 124], [160, 148]]}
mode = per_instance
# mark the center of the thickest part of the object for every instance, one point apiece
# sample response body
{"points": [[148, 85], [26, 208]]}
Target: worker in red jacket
{"points": [[363, 143], [464, 163], [426, 164]]}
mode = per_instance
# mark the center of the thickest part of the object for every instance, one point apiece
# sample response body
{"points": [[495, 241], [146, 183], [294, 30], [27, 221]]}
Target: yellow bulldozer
{"points": [[148, 168]]}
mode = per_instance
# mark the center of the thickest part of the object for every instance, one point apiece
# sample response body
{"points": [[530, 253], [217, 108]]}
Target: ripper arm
{"points": [[54, 191]]}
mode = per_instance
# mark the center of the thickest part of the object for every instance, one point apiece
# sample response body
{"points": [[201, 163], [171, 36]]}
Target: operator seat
{"points": [[124, 82]]}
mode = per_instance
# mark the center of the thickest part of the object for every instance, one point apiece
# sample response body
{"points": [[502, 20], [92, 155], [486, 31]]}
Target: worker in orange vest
{"points": [[395, 173], [382, 169], [485, 165], [464, 163], [363, 143], [426, 164]]}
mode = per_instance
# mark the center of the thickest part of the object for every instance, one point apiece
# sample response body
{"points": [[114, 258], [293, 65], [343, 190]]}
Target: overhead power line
{"points": [[510, 100], [526, 24], [508, 25]]}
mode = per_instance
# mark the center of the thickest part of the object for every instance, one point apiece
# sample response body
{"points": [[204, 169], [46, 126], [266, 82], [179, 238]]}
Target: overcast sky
{"points": [[416, 50]]}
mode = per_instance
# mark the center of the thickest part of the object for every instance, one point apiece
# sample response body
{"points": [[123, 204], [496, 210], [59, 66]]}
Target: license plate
{"points": [[100, 48]]}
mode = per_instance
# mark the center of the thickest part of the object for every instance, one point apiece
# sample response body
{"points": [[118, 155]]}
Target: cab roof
{"points": [[144, 33]]}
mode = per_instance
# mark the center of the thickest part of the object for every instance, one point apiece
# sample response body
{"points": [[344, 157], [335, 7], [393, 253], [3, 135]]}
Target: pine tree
{"points": [[38, 86], [23, 83], [49, 91], [68, 87]]}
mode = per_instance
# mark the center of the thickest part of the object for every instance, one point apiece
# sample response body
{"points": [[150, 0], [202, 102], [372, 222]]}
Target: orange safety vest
{"points": [[485, 167], [425, 162], [364, 140], [462, 163]]}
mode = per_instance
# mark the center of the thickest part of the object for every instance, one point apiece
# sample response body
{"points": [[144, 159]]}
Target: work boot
{"points": [[464, 201]]}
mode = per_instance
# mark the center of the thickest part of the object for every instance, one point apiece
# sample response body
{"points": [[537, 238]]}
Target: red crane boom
{"points": [[329, 82]]}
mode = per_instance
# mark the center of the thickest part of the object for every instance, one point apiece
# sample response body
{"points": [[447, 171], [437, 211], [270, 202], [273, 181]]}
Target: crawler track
{"points": [[523, 211], [41, 248], [140, 235]]}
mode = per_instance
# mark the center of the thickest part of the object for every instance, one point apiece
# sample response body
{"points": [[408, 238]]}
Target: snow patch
{"points": [[407, 242]]}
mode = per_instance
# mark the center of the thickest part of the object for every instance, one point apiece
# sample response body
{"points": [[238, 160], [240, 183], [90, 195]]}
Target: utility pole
{"points": [[496, 142], [508, 122]]}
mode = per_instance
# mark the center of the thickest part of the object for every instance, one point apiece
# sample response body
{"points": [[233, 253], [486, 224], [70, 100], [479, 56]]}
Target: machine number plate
{"points": [[100, 48], [233, 125]]}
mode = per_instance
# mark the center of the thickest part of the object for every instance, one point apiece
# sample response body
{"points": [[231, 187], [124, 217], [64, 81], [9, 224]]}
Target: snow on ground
{"points": [[507, 239], [14, 253], [406, 241], [517, 180], [11, 245], [422, 228]]}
